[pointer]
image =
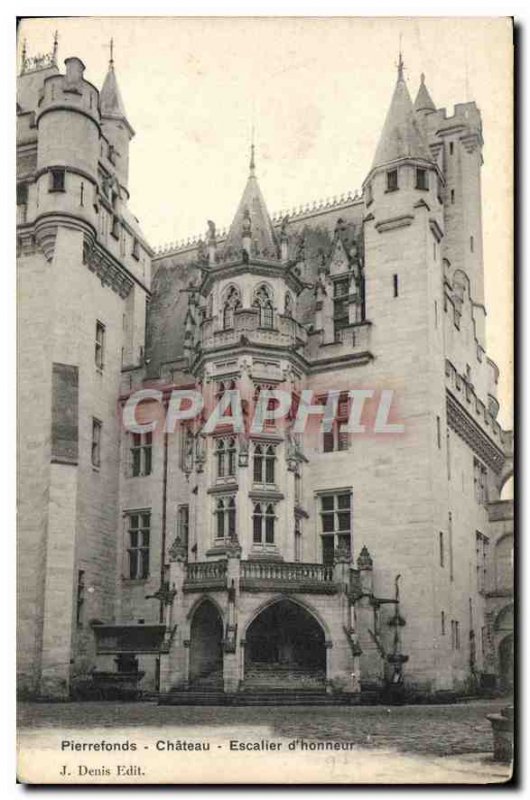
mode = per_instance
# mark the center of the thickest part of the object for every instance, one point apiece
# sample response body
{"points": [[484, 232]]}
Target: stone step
{"points": [[276, 698]]}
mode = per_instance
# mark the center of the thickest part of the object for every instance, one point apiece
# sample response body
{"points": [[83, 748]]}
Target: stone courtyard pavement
{"points": [[183, 744]]}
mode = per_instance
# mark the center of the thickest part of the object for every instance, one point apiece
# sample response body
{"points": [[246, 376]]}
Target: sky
{"points": [[316, 92]]}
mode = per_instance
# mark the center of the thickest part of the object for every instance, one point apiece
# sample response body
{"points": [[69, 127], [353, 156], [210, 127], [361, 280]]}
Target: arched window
{"points": [[263, 302], [225, 514], [270, 464], [263, 523], [231, 303], [264, 463], [225, 454], [258, 464]]}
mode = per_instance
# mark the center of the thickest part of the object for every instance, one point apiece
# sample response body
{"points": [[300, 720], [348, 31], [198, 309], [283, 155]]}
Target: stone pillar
{"points": [[173, 664], [372, 659], [231, 657]]}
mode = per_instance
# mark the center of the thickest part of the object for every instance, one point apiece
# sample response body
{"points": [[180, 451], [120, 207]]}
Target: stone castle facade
{"points": [[333, 561]]}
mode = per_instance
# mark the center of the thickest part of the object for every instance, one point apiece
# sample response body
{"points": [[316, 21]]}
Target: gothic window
{"points": [[141, 454], [263, 302], [264, 467], [337, 439], [271, 404], [231, 303], [225, 517], [139, 529], [263, 523], [225, 455], [340, 305], [336, 524]]}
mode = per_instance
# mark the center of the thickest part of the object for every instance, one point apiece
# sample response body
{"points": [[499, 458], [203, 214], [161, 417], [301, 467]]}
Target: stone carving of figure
{"points": [[283, 229], [247, 223], [211, 231]]}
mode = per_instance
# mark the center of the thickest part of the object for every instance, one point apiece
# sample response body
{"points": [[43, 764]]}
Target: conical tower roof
{"points": [[423, 100], [110, 99], [401, 136], [252, 207]]}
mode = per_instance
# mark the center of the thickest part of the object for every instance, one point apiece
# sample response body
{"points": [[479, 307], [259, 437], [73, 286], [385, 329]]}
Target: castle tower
{"points": [[455, 143], [403, 234], [115, 125], [83, 280]]}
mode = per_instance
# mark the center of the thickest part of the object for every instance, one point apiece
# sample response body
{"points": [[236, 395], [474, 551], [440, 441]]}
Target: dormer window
{"points": [[57, 180], [392, 180], [422, 179]]}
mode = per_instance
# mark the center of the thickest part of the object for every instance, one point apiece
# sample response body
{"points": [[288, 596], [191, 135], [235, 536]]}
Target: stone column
{"points": [[231, 658], [371, 660], [173, 664]]}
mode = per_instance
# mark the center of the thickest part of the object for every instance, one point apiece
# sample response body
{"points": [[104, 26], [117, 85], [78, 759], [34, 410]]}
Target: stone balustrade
{"points": [[205, 575], [286, 332], [284, 576], [261, 575]]}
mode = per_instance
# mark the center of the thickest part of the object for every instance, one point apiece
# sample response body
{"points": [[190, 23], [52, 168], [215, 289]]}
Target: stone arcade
{"points": [[327, 563]]}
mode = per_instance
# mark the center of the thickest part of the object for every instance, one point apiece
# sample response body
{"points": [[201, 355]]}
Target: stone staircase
{"points": [[277, 677], [264, 685]]}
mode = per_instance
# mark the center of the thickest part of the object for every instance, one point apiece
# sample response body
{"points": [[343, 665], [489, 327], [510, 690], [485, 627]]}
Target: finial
{"points": [[422, 77], [55, 47], [400, 66], [252, 152], [111, 50]]}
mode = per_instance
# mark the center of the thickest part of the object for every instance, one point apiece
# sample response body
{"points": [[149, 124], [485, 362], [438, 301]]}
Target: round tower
{"points": [[68, 144]]}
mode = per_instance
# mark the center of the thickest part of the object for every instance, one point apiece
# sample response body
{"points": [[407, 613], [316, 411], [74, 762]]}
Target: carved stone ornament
{"points": [[177, 551]]}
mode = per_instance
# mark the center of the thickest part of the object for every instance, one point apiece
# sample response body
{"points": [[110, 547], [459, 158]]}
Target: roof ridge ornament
{"points": [[39, 61], [400, 65]]}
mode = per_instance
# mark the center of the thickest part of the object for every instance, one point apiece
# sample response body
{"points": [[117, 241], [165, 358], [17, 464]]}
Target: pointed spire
{"points": [[252, 216], [400, 66], [423, 101], [110, 98], [401, 136]]}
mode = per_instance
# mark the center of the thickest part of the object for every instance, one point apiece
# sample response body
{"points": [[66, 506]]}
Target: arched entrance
{"points": [[206, 645], [285, 649]]}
